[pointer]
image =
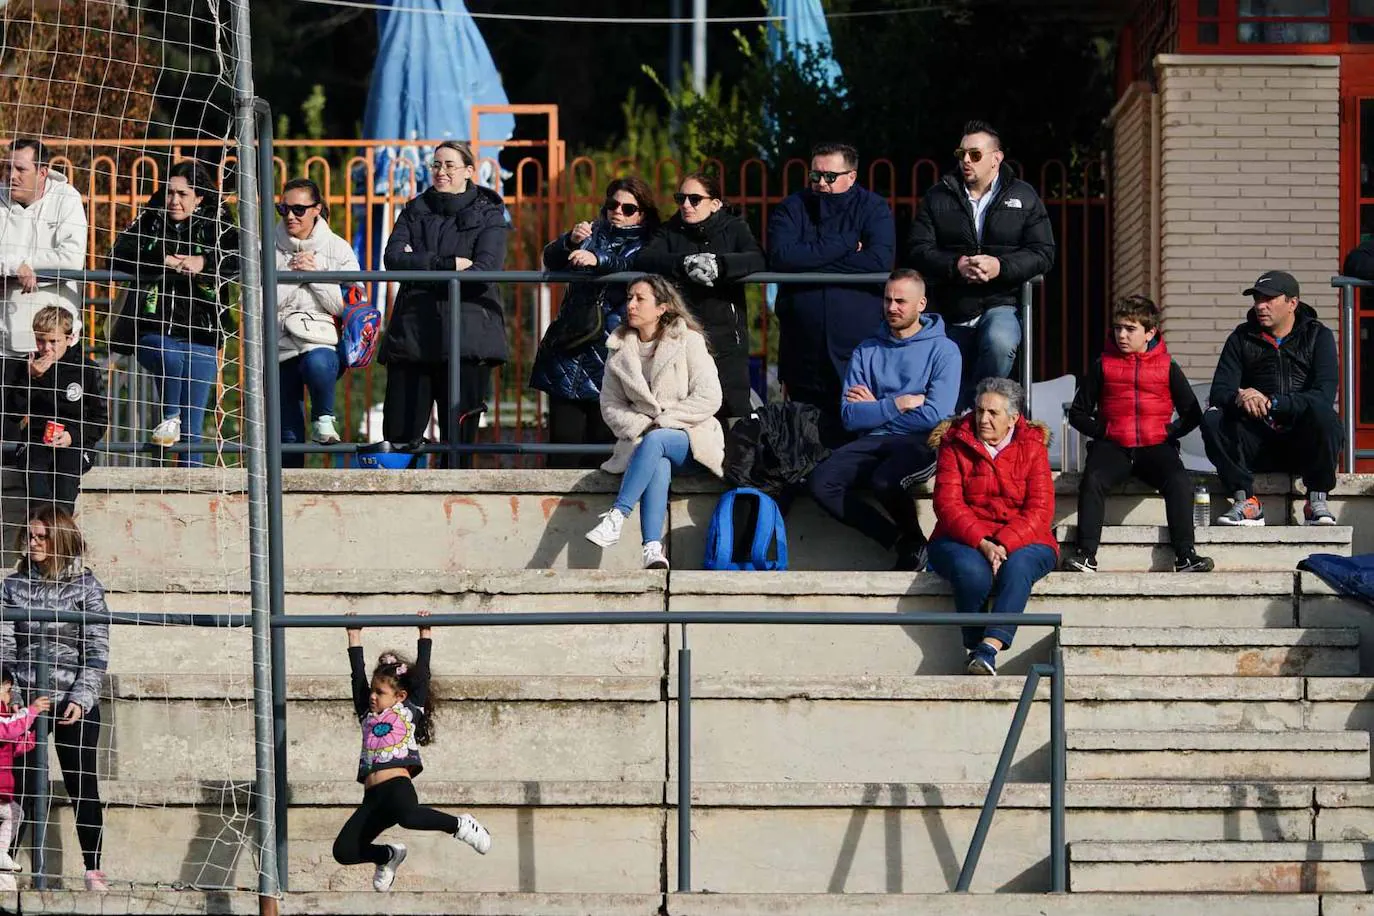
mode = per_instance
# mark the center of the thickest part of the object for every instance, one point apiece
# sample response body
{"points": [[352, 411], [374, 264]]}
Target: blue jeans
{"points": [[314, 370], [970, 576], [185, 374], [647, 478], [988, 348]]}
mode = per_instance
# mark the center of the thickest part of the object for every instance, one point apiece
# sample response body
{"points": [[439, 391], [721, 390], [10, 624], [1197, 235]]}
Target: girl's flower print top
{"points": [[389, 741]]}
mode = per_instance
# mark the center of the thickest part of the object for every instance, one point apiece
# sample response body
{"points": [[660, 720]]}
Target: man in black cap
{"points": [[1273, 402]]}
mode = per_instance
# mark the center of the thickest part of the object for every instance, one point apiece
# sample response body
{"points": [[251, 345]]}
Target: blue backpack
{"points": [[360, 327], [761, 526]]}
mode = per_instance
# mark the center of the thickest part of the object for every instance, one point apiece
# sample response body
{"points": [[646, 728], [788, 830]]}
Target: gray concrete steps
{"points": [[1233, 755], [1222, 867], [1250, 652], [1273, 547]]}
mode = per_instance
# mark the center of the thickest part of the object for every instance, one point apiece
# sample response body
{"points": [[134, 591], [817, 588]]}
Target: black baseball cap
{"points": [[1274, 283]]}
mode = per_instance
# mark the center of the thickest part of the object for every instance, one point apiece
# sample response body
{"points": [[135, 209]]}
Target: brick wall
{"points": [[1131, 201], [1250, 180]]}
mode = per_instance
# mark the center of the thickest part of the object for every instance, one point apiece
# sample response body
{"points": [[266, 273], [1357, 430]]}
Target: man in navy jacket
{"points": [[833, 226]]}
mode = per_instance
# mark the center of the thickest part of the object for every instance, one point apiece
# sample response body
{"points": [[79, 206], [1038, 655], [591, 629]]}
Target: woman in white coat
{"points": [[660, 396], [306, 332]]}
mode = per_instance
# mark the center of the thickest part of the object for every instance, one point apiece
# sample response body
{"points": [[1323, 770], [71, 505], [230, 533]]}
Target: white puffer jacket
{"points": [[323, 300], [49, 234]]}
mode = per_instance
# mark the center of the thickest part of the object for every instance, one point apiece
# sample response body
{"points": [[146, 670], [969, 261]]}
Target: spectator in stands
{"points": [[900, 383], [1272, 405], [1126, 406], [660, 398], [454, 225], [1359, 263], [52, 577], [994, 507], [57, 401], [183, 248], [17, 723], [980, 233], [572, 355], [707, 249], [834, 226], [307, 333], [42, 227]]}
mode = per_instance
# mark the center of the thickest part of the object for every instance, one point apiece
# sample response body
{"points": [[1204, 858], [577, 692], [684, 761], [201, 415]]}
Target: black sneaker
{"points": [[1081, 562], [911, 554], [1191, 562], [982, 661]]}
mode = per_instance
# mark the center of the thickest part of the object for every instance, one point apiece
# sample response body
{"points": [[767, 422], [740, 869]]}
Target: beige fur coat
{"points": [[682, 391]]}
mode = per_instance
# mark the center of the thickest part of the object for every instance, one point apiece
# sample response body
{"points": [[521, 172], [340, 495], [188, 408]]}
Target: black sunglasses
{"points": [[296, 210], [693, 199], [628, 209], [828, 177]]}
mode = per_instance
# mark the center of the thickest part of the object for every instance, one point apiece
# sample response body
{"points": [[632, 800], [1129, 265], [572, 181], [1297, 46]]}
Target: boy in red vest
{"points": [[1126, 406]]}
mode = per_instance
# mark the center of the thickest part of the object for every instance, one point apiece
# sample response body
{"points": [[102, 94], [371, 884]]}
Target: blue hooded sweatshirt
{"points": [[926, 363]]}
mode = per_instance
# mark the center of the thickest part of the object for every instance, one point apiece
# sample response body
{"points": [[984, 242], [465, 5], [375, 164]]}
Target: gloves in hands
{"points": [[702, 268]]}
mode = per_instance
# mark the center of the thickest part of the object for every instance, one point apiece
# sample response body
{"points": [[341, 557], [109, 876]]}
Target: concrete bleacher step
{"points": [[1250, 652], [1225, 867], [1002, 904], [1232, 755], [1273, 547]]}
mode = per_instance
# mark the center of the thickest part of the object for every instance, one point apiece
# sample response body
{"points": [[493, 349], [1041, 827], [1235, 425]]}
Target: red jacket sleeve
{"points": [[15, 727], [950, 506], [1035, 520]]}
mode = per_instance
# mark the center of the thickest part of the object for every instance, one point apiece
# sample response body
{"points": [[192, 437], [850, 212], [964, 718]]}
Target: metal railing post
{"points": [[1027, 357], [1349, 334], [684, 766], [999, 779], [455, 370], [271, 425], [1059, 866], [42, 794]]}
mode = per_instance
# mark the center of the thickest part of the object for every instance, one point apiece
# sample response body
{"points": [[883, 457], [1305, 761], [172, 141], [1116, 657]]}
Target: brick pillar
{"points": [[1249, 181]]}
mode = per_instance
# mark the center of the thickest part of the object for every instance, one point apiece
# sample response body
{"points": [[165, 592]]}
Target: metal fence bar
{"points": [[42, 801], [1349, 333], [684, 766], [1027, 338], [1059, 771], [999, 777], [455, 370]]}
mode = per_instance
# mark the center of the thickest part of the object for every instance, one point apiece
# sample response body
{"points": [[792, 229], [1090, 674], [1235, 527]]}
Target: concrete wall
{"points": [[1250, 180]]}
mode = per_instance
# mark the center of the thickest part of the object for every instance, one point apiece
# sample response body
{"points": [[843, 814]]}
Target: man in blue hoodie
{"points": [[831, 226], [901, 382]]}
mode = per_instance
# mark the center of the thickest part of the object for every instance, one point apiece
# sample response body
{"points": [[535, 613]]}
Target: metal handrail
{"points": [[1054, 670], [1350, 332]]}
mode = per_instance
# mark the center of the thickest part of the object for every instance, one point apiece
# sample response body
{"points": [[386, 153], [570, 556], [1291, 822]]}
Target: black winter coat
{"points": [[1302, 372], [174, 304], [776, 448], [721, 308], [824, 323], [1360, 262], [72, 392], [1016, 231], [430, 233]]}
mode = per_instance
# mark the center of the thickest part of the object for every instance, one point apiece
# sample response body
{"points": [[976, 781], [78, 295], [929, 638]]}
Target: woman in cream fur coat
{"points": [[306, 334], [660, 397]]}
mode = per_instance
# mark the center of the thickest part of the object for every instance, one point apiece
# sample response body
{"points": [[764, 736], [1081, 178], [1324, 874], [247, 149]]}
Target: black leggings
{"points": [[386, 804], [76, 752]]}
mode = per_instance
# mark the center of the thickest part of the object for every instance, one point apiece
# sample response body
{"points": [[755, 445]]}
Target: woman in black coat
{"points": [[454, 225], [707, 249]]}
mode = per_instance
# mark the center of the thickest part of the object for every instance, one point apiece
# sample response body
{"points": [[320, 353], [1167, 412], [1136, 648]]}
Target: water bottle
{"points": [[1202, 508]]}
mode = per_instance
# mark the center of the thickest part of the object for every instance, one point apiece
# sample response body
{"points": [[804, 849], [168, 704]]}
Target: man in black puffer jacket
{"points": [[1271, 405], [978, 234]]}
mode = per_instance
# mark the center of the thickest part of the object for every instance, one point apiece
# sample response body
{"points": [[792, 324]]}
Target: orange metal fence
{"points": [[544, 196]]}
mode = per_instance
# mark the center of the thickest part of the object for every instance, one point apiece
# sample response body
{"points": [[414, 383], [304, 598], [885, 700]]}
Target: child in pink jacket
{"points": [[16, 737]]}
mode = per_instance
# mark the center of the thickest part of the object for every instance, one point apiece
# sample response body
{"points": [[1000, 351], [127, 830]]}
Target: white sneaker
{"points": [[167, 433], [386, 874], [96, 882], [473, 833], [607, 531], [654, 557], [324, 431]]}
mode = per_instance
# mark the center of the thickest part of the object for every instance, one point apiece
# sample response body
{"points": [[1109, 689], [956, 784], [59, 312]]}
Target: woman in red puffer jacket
{"points": [[994, 506]]}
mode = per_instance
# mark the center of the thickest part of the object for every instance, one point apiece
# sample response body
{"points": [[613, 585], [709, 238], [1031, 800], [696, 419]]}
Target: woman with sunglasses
{"points": [[306, 332], [453, 225], [707, 249], [572, 355], [183, 249]]}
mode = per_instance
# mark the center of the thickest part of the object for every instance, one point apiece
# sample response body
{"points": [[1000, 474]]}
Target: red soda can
{"points": [[52, 431]]}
